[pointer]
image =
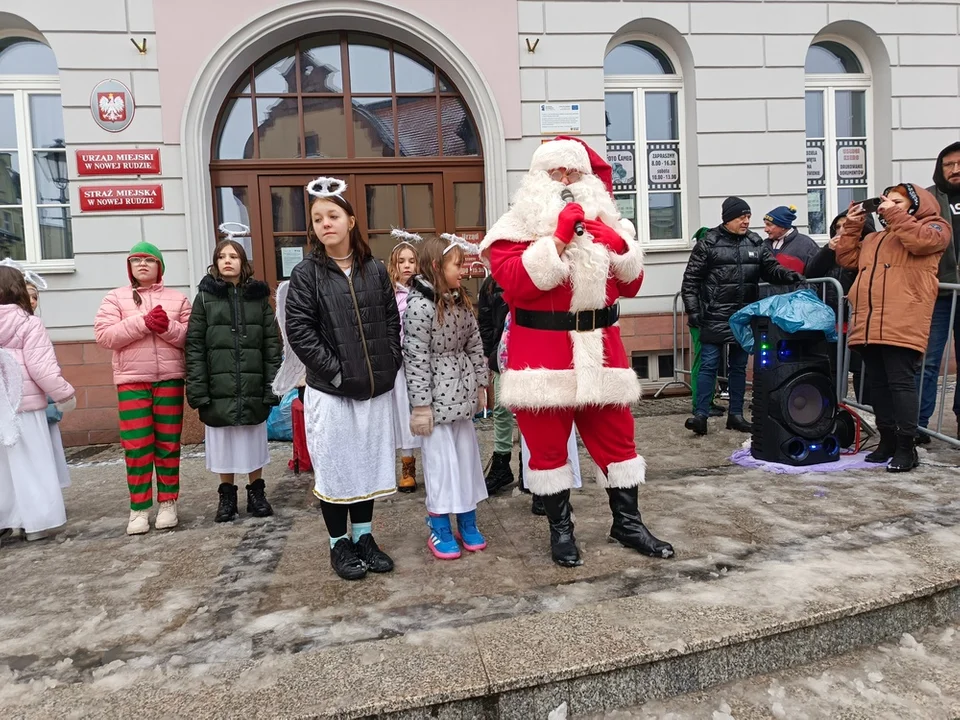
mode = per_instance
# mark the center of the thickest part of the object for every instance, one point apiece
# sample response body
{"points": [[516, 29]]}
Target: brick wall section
{"points": [[87, 367]]}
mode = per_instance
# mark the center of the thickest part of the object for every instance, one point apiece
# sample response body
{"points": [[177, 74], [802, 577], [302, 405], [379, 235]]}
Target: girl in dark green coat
{"points": [[233, 353]]}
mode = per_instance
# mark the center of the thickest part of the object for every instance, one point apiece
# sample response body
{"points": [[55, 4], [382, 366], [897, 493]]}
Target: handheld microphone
{"points": [[568, 198]]}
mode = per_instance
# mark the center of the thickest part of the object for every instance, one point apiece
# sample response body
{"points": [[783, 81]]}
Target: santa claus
{"points": [[564, 256]]}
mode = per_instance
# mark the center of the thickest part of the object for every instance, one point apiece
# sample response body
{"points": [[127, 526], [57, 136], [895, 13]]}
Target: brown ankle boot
{"points": [[408, 476]]}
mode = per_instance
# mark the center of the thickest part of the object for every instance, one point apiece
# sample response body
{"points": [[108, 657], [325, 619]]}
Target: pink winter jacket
{"points": [[401, 291], [140, 355], [24, 337]]}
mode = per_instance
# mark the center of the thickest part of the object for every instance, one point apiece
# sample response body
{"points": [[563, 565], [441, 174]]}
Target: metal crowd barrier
{"points": [[941, 386], [682, 358]]}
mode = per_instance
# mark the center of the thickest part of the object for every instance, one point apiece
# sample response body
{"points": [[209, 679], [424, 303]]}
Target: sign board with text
{"points": [[118, 198], [118, 162], [559, 119], [663, 165], [473, 266]]}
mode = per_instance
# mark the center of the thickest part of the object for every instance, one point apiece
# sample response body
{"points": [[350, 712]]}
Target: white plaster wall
{"points": [[748, 70]]}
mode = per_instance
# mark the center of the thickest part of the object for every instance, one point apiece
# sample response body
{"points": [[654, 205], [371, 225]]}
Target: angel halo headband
{"points": [[457, 241], [405, 238], [28, 275], [238, 230], [325, 187]]}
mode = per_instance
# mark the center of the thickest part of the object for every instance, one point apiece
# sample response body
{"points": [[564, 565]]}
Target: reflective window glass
{"points": [[277, 72], [320, 70], [369, 64], [373, 127], [637, 58], [21, 56], [235, 137]]}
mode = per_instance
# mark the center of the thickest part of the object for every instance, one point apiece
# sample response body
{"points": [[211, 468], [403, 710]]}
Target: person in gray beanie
{"points": [[722, 276]]}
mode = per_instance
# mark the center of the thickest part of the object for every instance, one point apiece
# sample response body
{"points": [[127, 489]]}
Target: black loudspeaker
{"points": [[794, 397]]}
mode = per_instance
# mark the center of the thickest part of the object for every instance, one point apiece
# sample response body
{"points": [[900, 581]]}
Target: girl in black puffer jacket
{"points": [[342, 322], [233, 354]]}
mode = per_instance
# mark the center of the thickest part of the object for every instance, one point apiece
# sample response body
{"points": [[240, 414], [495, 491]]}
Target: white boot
{"points": [[167, 515], [139, 522]]}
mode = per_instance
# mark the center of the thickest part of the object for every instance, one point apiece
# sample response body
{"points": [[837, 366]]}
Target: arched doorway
{"points": [[352, 105]]}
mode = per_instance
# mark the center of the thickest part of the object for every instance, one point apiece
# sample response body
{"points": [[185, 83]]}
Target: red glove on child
{"points": [[156, 320], [567, 220], [606, 236]]}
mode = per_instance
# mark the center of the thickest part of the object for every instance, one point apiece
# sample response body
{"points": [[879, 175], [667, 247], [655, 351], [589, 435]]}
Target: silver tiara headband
{"points": [[29, 275], [457, 241], [405, 238], [324, 187], [234, 230]]}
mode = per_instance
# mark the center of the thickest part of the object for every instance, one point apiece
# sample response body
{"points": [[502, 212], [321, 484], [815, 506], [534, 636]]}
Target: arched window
{"points": [[645, 139], [838, 122], [359, 107], [34, 204]]}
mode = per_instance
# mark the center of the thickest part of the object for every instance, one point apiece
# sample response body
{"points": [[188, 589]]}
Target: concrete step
{"points": [[247, 618]]}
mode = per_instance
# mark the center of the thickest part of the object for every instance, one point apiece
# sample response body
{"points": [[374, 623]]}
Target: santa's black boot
{"points": [[628, 529], [563, 545]]}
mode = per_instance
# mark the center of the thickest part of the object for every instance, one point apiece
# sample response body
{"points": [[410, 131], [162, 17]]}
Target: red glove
{"points": [[606, 236], [567, 220], [157, 320]]}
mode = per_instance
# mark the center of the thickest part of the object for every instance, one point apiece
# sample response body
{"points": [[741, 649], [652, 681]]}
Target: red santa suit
{"points": [[554, 378]]}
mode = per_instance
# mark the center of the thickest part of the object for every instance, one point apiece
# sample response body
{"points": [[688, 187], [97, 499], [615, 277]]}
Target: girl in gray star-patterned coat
{"points": [[445, 369]]}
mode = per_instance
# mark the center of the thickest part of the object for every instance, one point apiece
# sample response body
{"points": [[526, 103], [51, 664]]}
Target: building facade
{"points": [[129, 120]]}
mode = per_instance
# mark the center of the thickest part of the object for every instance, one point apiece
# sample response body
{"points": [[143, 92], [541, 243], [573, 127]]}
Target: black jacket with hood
{"points": [[491, 315], [948, 261], [345, 329], [722, 276]]}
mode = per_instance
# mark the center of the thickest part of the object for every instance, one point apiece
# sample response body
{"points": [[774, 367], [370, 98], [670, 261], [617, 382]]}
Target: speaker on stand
{"points": [[794, 398]]}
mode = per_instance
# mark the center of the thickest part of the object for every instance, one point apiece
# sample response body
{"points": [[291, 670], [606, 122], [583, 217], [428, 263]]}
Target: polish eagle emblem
{"points": [[112, 107]]}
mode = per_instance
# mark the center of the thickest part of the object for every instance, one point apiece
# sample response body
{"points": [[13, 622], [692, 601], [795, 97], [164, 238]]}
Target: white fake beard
{"points": [[538, 202]]}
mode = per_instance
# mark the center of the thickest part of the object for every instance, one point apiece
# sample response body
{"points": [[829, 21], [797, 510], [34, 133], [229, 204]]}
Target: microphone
{"points": [[568, 198]]}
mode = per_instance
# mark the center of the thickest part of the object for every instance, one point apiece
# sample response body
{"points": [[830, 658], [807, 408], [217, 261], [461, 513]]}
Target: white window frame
{"points": [[639, 85], [829, 84], [22, 87]]}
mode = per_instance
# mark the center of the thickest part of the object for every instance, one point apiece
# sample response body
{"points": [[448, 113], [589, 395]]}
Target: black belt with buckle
{"points": [[582, 321]]}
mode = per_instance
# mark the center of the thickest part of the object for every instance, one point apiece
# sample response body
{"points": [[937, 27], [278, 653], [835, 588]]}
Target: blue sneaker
{"points": [[467, 532], [441, 542]]}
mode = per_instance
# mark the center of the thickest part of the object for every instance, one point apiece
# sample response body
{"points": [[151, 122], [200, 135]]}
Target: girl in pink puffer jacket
{"points": [[145, 325], [30, 469]]}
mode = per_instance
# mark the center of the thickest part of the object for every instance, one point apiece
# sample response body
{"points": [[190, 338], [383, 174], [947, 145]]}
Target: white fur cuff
{"points": [[627, 267], [544, 266], [624, 474], [549, 482]]}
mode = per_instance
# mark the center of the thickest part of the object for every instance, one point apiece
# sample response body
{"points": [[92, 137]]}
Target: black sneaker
{"points": [[345, 561], [376, 560]]}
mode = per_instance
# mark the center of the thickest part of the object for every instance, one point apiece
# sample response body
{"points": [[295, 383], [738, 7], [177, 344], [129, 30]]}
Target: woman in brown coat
{"points": [[892, 301]]}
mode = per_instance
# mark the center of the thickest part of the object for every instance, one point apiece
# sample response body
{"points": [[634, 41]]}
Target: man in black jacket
{"points": [[722, 276], [492, 314], [946, 188]]}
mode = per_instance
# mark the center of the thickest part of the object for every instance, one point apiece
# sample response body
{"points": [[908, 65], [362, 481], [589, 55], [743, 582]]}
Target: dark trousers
{"points": [[939, 330], [710, 357], [892, 377], [856, 369]]}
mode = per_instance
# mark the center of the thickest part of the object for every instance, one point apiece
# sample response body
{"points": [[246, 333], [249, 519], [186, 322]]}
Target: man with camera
{"points": [[722, 276]]}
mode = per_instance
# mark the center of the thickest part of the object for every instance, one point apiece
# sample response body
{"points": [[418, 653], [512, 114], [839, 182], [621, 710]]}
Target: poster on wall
{"points": [[663, 165], [290, 257], [622, 158], [112, 105], [559, 119], [852, 162], [816, 174]]}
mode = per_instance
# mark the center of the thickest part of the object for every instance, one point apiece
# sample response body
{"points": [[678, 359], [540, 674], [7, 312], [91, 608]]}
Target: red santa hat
{"points": [[573, 154]]}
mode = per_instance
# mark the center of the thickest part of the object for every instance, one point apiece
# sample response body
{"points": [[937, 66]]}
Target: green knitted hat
{"points": [[145, 248]]}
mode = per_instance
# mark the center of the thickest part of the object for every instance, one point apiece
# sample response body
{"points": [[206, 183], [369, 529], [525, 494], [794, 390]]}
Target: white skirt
{"points": [[452, 470], [31, 477], [63, 472], [236, 448], [351, 445], [401, 415], [573, 457]]}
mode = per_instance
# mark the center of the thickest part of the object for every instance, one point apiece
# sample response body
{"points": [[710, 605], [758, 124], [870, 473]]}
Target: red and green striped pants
{"points": [[151, 419]]}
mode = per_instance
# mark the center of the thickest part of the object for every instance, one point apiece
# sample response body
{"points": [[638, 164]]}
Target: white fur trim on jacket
{"points": [[538, 389], [544, 265], [627, 267], [624, 474], [549, 482]]}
